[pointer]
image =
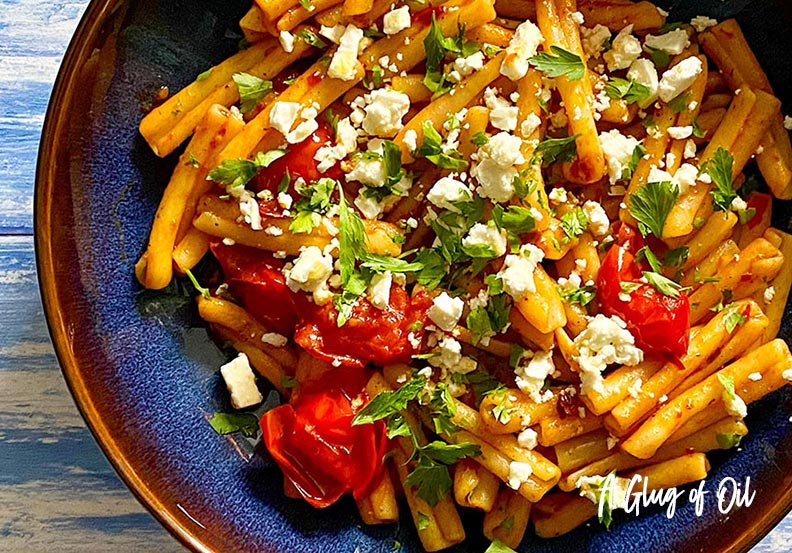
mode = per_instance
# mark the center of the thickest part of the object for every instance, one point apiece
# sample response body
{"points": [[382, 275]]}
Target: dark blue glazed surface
{"points": [[152, 374]]}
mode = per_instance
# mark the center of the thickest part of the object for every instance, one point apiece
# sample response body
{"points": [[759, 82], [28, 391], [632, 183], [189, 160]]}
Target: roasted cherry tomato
{"points": [[255, 278], [315, 445], [659, 323], [370, 334], [299, 162]]}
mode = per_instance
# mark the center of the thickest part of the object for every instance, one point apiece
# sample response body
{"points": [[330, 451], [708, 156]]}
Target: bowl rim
{"points": [[93, 21]]}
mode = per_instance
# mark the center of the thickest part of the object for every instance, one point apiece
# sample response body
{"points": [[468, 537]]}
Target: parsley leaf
{"points": [[479, 138], [238, 172], [733, 320], [251, 90], [316, 200], [311, 38], [651, 204], [583, 295], [559, 63], [387, 403], [574, 222], [514, 218], [431, 148], [226, 423], [680, 103], [498, 546], [728, 386], [728, 441], [630, 91], [205, 75], [632, 165], [555, 149], [662, 284], [719, 168]]}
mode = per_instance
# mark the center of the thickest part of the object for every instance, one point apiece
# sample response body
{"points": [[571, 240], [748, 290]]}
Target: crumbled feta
{"points": [[344, 63], [333, 34], [379, 288], [411, 140], [241, 382], [462, 67], [755, 377], [503, 115], [283, 115], [529, 125], [685, 177], [558, 196], [527, 438], [396, 20], [504, 149], [488, 236], [604, 341], [787, 374], [446, 311], [517, 272], [310, 271], [594, 39], [287, 41], [788, 122], [680, 133], [519, 473], [384, 110], [368, 171], [530, 377], [643, 72], [449, 357], [624, 50], [446, 191], [673, 42], [769, 294], [738, 204], [735, 406], [599, 224], [679, 78], [249, 208], [701, 23], [274, 339], [618, 150], [370, 207], [495, 181], [523, 45]]}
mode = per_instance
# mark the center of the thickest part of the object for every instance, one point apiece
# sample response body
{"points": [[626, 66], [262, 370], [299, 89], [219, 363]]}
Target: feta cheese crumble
{"points": [[603, 342], [241, 382], [446, 311]]}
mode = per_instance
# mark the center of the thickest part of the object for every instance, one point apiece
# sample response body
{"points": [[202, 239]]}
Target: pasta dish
{"points": [[500, 255]]}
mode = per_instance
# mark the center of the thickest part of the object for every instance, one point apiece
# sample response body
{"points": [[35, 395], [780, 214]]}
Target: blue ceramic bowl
{"points": [[143, 371]]}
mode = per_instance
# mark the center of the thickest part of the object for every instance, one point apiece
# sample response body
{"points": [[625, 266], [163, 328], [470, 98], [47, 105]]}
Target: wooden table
{"points": [[57, 491]]}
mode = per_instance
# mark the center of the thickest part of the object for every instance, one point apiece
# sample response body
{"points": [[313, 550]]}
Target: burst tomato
{"points": [[371, 334], [299, 162], [659, 323], [315, 445]]}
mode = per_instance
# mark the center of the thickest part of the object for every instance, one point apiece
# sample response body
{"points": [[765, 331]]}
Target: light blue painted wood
{"points": [[57, 491]]}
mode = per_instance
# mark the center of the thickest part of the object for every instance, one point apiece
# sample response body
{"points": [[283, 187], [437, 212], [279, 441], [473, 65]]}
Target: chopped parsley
{"points": [[226, 423], [728, 441], [574, 222], [431, 148], [629, 91], [251, 90], [582, 295], [651, 204], [238, 172], [550, 150], [719, 168], [663, 284], [559, 63]]}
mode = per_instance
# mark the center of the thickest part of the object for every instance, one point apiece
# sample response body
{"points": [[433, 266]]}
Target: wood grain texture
{"points": [[57, 491]]}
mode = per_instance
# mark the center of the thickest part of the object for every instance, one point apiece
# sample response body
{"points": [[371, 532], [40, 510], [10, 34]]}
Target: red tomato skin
{"points": [[659, 323], [315, 445], [255, 278], [370, 334]]}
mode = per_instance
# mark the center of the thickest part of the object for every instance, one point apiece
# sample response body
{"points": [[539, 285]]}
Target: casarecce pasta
{"points": [[488, 253]]}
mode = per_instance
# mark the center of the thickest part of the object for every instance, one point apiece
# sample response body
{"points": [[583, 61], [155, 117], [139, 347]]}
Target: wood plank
{"points": [[57, 490], [33, 37]]}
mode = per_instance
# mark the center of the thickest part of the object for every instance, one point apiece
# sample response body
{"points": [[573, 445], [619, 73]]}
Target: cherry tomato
{"points": [[255, 278], [316, 446], [659, 323], [299, 162], [370, 334]]}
